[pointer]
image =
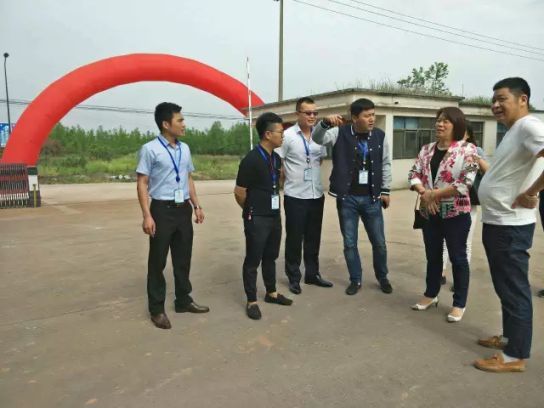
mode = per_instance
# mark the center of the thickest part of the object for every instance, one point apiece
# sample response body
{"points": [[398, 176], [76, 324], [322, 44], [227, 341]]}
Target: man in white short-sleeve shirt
{"points": [[304, 199], [509, 196]]}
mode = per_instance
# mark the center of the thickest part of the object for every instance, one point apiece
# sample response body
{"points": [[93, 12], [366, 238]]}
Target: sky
{"points": [[323, 51]]}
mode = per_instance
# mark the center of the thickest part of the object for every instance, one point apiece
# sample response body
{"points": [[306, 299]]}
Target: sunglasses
{"points": [[310, 113]]}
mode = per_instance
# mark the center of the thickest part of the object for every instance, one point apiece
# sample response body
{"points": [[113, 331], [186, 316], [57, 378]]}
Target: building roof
{"points": [[365, 91]]}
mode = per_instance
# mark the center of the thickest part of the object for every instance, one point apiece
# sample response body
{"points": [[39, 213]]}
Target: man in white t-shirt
{"points": [[303, 198], [509, 196]]}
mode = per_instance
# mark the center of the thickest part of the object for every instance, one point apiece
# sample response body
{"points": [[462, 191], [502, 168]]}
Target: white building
{"points": [[407, 119]]}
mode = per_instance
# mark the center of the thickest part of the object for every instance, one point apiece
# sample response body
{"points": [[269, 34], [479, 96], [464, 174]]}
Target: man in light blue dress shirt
{"points": [[304, 199], [164, 176]]}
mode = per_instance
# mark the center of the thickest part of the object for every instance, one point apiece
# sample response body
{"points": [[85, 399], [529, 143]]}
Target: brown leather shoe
{"points": [[492, 342], [161, 321], [496, 364]]}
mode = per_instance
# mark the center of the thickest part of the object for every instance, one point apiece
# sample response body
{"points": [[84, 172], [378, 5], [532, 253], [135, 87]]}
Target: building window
{"points": [[478, 129], [410, 134], [501, 131]]}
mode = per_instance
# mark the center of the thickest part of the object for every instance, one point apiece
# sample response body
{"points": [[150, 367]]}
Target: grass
{"points": [[393, 87], [484, 101], [388, 86], [209, 167], [477, 100], [70, 169]]}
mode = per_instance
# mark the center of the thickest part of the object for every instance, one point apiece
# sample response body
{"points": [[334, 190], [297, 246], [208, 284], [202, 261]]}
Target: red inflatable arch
{"points": [[36, 122]]}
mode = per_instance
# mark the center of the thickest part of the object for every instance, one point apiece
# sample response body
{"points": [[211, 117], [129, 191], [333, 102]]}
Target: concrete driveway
{"points": [[74, 329]]}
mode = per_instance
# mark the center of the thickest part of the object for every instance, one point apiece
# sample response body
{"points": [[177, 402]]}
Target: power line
{"points": [[138, 111], [446, 26], [432, 28], [417, 32]]}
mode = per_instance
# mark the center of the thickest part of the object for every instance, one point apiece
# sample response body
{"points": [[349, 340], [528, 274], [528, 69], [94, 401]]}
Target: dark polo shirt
{"points": [[255, 174]]}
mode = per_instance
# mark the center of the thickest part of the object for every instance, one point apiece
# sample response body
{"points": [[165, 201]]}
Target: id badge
{"points": [[275, 202], [308, 174], [363, 176], [178, 196]]}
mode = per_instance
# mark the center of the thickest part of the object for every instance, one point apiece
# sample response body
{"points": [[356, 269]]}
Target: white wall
{"points": [[400, 170]]}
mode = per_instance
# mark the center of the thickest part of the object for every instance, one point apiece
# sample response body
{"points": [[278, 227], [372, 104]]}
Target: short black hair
{"points": [[518, 86], [265, 120], [164, 112], [304, 99], [360, 105], [457, 118]]}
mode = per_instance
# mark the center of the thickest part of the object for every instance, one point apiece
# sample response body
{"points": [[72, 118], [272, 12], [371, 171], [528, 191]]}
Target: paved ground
{"points": [[74, 331]]}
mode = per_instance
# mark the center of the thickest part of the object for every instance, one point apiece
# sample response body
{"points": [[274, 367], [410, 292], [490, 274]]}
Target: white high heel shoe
{"points": [[420, 307], [453, 319]]}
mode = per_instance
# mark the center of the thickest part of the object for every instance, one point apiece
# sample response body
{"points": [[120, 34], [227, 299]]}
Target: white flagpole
{"points": [[249, 106]]}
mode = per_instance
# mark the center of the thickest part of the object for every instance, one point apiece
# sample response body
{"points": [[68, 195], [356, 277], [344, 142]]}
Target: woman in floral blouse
{"points": [[442, 175]]}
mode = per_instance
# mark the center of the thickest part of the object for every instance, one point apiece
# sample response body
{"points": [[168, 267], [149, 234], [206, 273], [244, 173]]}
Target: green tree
{"points": [[428, 80]]}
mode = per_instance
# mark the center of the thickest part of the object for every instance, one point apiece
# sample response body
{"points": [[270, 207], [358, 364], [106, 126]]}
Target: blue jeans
{"points": [[350, 208], [506, 249], [455, 232]]}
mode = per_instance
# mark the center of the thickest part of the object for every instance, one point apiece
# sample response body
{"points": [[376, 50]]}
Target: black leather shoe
{"points": [[192, 308], [353, 288], [540, 293], [295, 288], [253, 311], [278, 300], [161, 321], [386, 287], [318, 281]]}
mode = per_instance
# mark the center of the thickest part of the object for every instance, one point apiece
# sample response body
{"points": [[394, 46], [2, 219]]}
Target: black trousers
{"points": [[455, 232], [174, 232], [303, 220], [541, 208], [263, 239]]}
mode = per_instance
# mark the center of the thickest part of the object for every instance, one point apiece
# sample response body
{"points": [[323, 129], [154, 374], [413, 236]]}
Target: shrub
{"points": [[73, 160]]}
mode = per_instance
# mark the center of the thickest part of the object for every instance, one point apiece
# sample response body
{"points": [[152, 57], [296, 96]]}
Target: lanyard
{"points": [[363, 148], [306, 148], [176, 167], [271, 165]]}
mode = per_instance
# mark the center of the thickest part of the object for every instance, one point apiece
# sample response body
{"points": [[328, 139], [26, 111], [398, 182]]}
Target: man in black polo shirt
{"points": [[257, 192]]}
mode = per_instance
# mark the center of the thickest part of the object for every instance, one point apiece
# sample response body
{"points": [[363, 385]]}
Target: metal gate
{"points": [[15, 191]]}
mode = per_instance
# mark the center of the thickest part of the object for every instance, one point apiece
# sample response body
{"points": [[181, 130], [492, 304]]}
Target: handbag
{"points": [[419, 219], [473, 192]]}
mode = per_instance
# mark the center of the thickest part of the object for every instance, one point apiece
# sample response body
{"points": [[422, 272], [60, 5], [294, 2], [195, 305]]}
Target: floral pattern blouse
{"points": [[458, 169]]}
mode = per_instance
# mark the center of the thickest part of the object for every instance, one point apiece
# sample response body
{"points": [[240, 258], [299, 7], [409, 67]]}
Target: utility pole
{"points": [[249, 106], [280, 73], [6, 55]]}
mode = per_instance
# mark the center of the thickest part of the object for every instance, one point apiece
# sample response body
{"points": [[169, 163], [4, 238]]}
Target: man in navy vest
{"points": [[360, 180]]}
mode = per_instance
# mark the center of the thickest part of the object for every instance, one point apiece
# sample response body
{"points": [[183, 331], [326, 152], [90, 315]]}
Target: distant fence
{"points": [[18, 186]]}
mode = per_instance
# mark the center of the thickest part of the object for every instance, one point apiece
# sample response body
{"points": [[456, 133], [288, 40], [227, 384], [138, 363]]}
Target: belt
{"points": [[172, 203]]}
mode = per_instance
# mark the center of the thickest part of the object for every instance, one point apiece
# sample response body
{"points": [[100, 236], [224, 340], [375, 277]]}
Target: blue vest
{"points": [[344, 164]]}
